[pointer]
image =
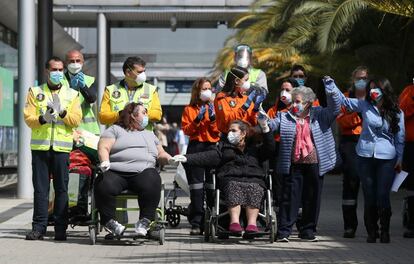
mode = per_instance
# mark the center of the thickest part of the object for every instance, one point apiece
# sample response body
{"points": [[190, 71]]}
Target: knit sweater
{"points": [[321, 120]]}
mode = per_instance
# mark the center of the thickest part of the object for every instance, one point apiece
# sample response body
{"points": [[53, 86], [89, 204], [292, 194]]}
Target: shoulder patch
{"points": [[40, 97]]}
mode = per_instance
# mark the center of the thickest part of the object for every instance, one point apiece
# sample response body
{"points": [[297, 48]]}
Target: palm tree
{"points": [[292, 31]]}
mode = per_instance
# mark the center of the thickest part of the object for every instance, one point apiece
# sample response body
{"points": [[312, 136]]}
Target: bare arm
{"points": [[163, 156], [104, 147]]}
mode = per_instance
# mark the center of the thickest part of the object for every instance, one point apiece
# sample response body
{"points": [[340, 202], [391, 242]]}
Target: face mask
{"points": [[55, 77], [233, 138], [245, 86], [300, 81], [75, 68], [144, 122], [141, 78], [376, 94], [297, 109], [360, 84], [285, 97], [205, 95]]}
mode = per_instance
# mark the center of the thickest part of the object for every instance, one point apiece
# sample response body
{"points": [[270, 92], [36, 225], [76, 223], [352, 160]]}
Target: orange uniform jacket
{"points": [[349, 122], [407, 106], [203, 131], [229, 108]]}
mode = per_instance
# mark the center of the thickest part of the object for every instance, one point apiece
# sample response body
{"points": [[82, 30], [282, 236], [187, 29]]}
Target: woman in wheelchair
{"points": [[240, 177], [128, 154]]}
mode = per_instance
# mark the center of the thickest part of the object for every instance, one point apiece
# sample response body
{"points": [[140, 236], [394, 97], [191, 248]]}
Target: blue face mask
{"points": [[144, 122], [56, 77], [300, 81], [360, 84]]}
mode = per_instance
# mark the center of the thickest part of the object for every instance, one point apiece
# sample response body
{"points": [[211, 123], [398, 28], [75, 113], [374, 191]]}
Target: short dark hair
{"points": [[53, 58], [297, 67], [131, 61]]}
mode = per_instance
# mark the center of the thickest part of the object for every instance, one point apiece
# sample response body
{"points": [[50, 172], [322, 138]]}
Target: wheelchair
{"points": [[157, 227], [214, 230]]}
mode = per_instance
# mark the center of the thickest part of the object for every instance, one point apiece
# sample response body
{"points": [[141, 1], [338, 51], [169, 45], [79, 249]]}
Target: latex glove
{"points": [[177, 159], [74, 82], [200, 115], [259, 100], [49, 116], [263, 119], [81, 80], [329, 84], [211, 112], [56, 104], [105, 165], [249, 100]]}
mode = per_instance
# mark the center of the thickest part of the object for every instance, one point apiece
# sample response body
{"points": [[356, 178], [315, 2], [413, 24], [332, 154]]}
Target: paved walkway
{"points": [[15, 217]]}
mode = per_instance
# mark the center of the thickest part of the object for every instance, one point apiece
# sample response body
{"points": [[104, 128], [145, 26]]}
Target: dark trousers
{"points": [[44, 164], [199, 180], [276, 181], [350, 183], [302, 186], [146, 184], [376, 176]]}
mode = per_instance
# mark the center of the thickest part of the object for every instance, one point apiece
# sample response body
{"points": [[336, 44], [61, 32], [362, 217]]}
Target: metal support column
{"points": [[26, 71], [45, 36], [102, 60]]}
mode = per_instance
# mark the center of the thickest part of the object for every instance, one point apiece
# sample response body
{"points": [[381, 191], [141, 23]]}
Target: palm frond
{"points": [[403, 8]]}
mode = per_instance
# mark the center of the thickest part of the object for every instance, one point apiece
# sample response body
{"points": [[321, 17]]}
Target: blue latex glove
{"points": [[74, 82], [249, 100], [211, 113], [329, 84], [81, 80], [259, 99], [262, 120], [200, 115]]}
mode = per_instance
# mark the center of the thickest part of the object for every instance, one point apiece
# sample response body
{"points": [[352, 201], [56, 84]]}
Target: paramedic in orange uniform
{"points": [[199, 123], [350, 124], [232, 103]]}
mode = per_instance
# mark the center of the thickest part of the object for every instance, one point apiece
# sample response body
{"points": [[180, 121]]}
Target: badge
{"points": [[116, 94], [116, 108], [40, 97], [232, 103], [144, 96], [220, 107]]}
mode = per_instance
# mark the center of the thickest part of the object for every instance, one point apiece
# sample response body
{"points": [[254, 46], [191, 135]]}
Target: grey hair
{"points": [[308, 96]]}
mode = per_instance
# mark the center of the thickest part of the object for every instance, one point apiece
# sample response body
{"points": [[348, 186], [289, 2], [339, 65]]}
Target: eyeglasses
{"points": [[75, 61], [361, 78]]}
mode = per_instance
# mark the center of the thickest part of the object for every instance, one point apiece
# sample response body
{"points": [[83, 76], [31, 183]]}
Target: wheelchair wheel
{"points": [[212, 231], [173, 218], [93, 232], [207, 225], [162, 236], [272, 230]]}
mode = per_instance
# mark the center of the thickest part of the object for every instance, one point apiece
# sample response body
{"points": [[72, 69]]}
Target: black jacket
{"points": [[233, 164]]}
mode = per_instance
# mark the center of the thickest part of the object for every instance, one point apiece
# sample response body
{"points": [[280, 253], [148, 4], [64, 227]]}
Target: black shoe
{"points": [[385, 237], [60, 236], [34, 235], [195, 231], [409, 233], [349, 233], [372, 238]]}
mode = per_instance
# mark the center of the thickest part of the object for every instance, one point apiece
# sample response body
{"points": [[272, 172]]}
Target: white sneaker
{"points": [[114, 228], [142, 226]]}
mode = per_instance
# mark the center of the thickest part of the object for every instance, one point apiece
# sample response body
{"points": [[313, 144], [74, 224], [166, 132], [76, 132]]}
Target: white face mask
{"points": [[245, 86], [285, 97], [141, 78], [233, 138], [75, 67], [205, 95]]}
